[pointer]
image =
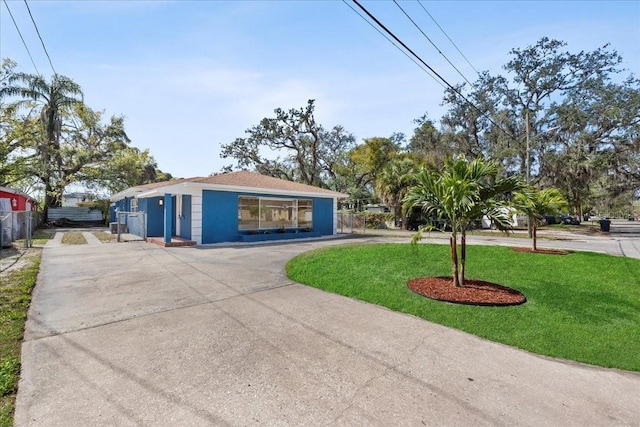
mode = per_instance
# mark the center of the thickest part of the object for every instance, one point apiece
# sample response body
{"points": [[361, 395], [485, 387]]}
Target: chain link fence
{"points": [[16, 225], [134, 224], [351, 222]]}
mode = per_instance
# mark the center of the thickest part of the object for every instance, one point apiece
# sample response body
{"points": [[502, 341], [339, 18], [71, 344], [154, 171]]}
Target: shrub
{"points": [[377, 220]]}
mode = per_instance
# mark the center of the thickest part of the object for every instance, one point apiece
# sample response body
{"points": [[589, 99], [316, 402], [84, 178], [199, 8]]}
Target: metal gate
{"points": [[16, 225], [133, 224], [351, 222]]}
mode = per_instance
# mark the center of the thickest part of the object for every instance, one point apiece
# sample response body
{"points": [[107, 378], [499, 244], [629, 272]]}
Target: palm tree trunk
{"points": [[535, 242], [463, 257], [454, 259]]}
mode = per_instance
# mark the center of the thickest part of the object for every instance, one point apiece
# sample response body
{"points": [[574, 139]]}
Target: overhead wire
{"points": [[432, 43], [449, 38], [40, 37], [395, 45], [21, 38], [415, 55]]}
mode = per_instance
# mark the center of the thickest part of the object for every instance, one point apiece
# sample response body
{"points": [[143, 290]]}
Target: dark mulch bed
{"points": [[474, 292], [542, 251]]}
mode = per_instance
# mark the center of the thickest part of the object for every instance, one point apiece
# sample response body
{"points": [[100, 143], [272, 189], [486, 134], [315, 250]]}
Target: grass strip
{"points": [[40, 237], [104, 236], [582, 306], [15, 296], [73, 238]]}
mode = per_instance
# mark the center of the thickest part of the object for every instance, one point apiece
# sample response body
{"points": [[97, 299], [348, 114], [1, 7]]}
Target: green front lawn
{"points": [[15, 296], [582, 306]]}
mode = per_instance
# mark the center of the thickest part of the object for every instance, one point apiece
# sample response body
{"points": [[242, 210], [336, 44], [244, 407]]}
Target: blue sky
{"points": [[192, 75]]}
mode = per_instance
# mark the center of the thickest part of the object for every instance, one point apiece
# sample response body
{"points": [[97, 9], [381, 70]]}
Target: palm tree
{"points": [[462, 192], [51, 99], [535, 204], [394, 181]]}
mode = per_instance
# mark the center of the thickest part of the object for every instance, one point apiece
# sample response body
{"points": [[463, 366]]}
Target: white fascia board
{"points": [[258, 190], [124, 194], [184, 188], [147, 194], [194, 188]]}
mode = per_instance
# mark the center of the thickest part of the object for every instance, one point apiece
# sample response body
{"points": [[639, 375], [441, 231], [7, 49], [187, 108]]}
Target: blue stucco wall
{"points": [[220, 215], [323, 216], [112, 212], [121, 206], [153, 222], [155, 215]]}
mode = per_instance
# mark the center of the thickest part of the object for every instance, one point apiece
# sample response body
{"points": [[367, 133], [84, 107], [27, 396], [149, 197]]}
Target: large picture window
{"points": [[305, 213], [255, 213]]}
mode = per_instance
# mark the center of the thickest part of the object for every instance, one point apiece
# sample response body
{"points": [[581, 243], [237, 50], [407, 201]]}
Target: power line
{"points": [[21, 38], [447, 36], [432, 43], [456, 91], [39, 36], [395, 45]]}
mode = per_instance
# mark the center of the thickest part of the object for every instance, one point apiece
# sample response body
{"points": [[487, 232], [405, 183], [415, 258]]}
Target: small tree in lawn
{"points": [[460, 193], [536, 203]]}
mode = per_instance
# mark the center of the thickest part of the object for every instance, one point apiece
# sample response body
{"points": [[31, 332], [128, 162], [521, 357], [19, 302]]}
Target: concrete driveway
{"points": [[135, 334]]}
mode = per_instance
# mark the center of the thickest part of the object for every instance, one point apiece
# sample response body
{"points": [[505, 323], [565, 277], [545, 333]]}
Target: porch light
{"points": [[161, 202]]}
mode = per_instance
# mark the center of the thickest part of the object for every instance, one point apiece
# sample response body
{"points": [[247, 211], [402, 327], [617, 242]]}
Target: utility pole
{"points": [[527, 164], [528, 170]]}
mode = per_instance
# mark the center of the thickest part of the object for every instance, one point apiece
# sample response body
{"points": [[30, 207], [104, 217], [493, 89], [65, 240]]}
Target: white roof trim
{"points": [[180, 189], [124, 194], [260, 190]]}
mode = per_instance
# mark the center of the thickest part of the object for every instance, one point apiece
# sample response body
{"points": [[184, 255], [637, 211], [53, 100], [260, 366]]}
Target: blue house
{"points": [[230, 207]]}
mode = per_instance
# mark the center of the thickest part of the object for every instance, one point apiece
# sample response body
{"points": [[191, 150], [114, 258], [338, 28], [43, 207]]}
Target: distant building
{"points": [[17, 200], [72, 199], [15, 213], [377, 208]]}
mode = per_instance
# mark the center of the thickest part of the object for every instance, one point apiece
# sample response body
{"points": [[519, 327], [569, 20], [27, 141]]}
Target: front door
{"points": [[184, 218]]}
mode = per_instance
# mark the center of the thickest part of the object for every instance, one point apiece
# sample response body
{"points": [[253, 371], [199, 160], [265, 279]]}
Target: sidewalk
{"points": [[625, 242]]}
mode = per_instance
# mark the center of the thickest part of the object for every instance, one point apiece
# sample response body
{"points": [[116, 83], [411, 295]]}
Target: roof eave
{"points": [[181, 189], [261, 190]]}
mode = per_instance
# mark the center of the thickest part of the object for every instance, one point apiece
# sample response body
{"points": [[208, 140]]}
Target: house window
{"points": [[248, 213], [255, 213], [134, 205], [305, 213]]}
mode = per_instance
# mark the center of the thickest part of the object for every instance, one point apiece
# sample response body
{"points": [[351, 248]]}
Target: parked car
{"points": [[568, 219], [551, 219]]}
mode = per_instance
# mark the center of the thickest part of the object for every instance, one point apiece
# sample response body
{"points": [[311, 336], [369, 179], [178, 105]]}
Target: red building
{"points": [[18, 200]]}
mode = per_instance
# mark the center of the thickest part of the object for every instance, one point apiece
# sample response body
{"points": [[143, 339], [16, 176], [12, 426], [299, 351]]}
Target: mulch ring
{"points": [[474, 292], [542, 251]]}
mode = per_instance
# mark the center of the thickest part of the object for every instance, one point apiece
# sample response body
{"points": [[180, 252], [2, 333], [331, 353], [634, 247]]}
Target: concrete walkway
{"points": [[134, 334], [91, 239]]}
